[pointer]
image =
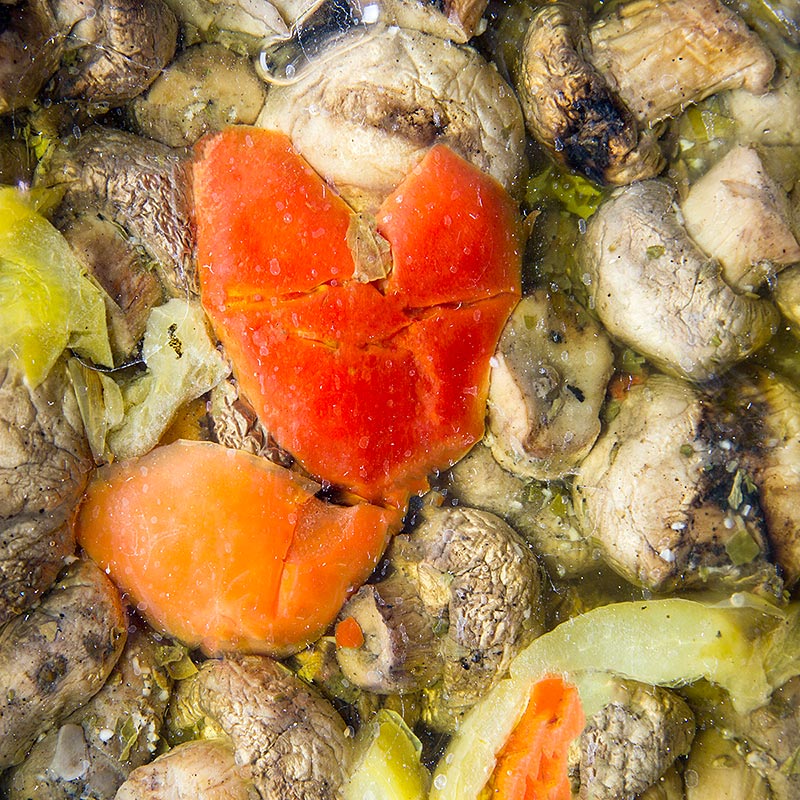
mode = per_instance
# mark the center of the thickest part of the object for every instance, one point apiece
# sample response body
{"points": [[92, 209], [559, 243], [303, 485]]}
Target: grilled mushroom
{"points": [[570, 108], [667, 495], [548, 381], [141, 185], [363, 126], [114, 49], [56, 657], [654, 290], [741, 217], [469, 592], [44, 464], [289, 739], [92, 751]]}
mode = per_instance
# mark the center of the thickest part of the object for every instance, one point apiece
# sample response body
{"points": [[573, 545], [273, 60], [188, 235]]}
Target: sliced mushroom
{"points": [[363, 126], [289, 738], [114, 49], [56, 657], [741, 217], [629, 744], [548, 382], [542, 513], [205, 88], [654, 290], [667, 495], [30, 49], [570, 108], [478, 584], [198, 770], [141, 185], [44, 464], [400, 653], [92, 751], [662, 55]]}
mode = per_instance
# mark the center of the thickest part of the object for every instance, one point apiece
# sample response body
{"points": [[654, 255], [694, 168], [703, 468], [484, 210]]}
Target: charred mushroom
{"points": [[363, 126], [657, 292], [773, 409], [548, 381], [141, 185], [592, 96], [666, 494], [570, 108], [44, 464], [475, 590], [56, 657]]}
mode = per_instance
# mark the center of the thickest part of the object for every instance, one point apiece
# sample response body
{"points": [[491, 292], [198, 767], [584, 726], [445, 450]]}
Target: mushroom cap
{"points": [[365, 112], [657, 292]]}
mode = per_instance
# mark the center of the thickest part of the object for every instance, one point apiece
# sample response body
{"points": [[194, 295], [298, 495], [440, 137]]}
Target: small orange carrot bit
{"points": [[349, 633], [533, 762]]}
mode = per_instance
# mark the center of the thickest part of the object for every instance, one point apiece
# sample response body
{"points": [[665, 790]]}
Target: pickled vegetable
{"points": [[48, 301]]}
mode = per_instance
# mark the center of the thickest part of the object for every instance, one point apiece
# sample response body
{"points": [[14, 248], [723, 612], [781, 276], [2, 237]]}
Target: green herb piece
{"points": [[742, 548], [577, 194]]}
